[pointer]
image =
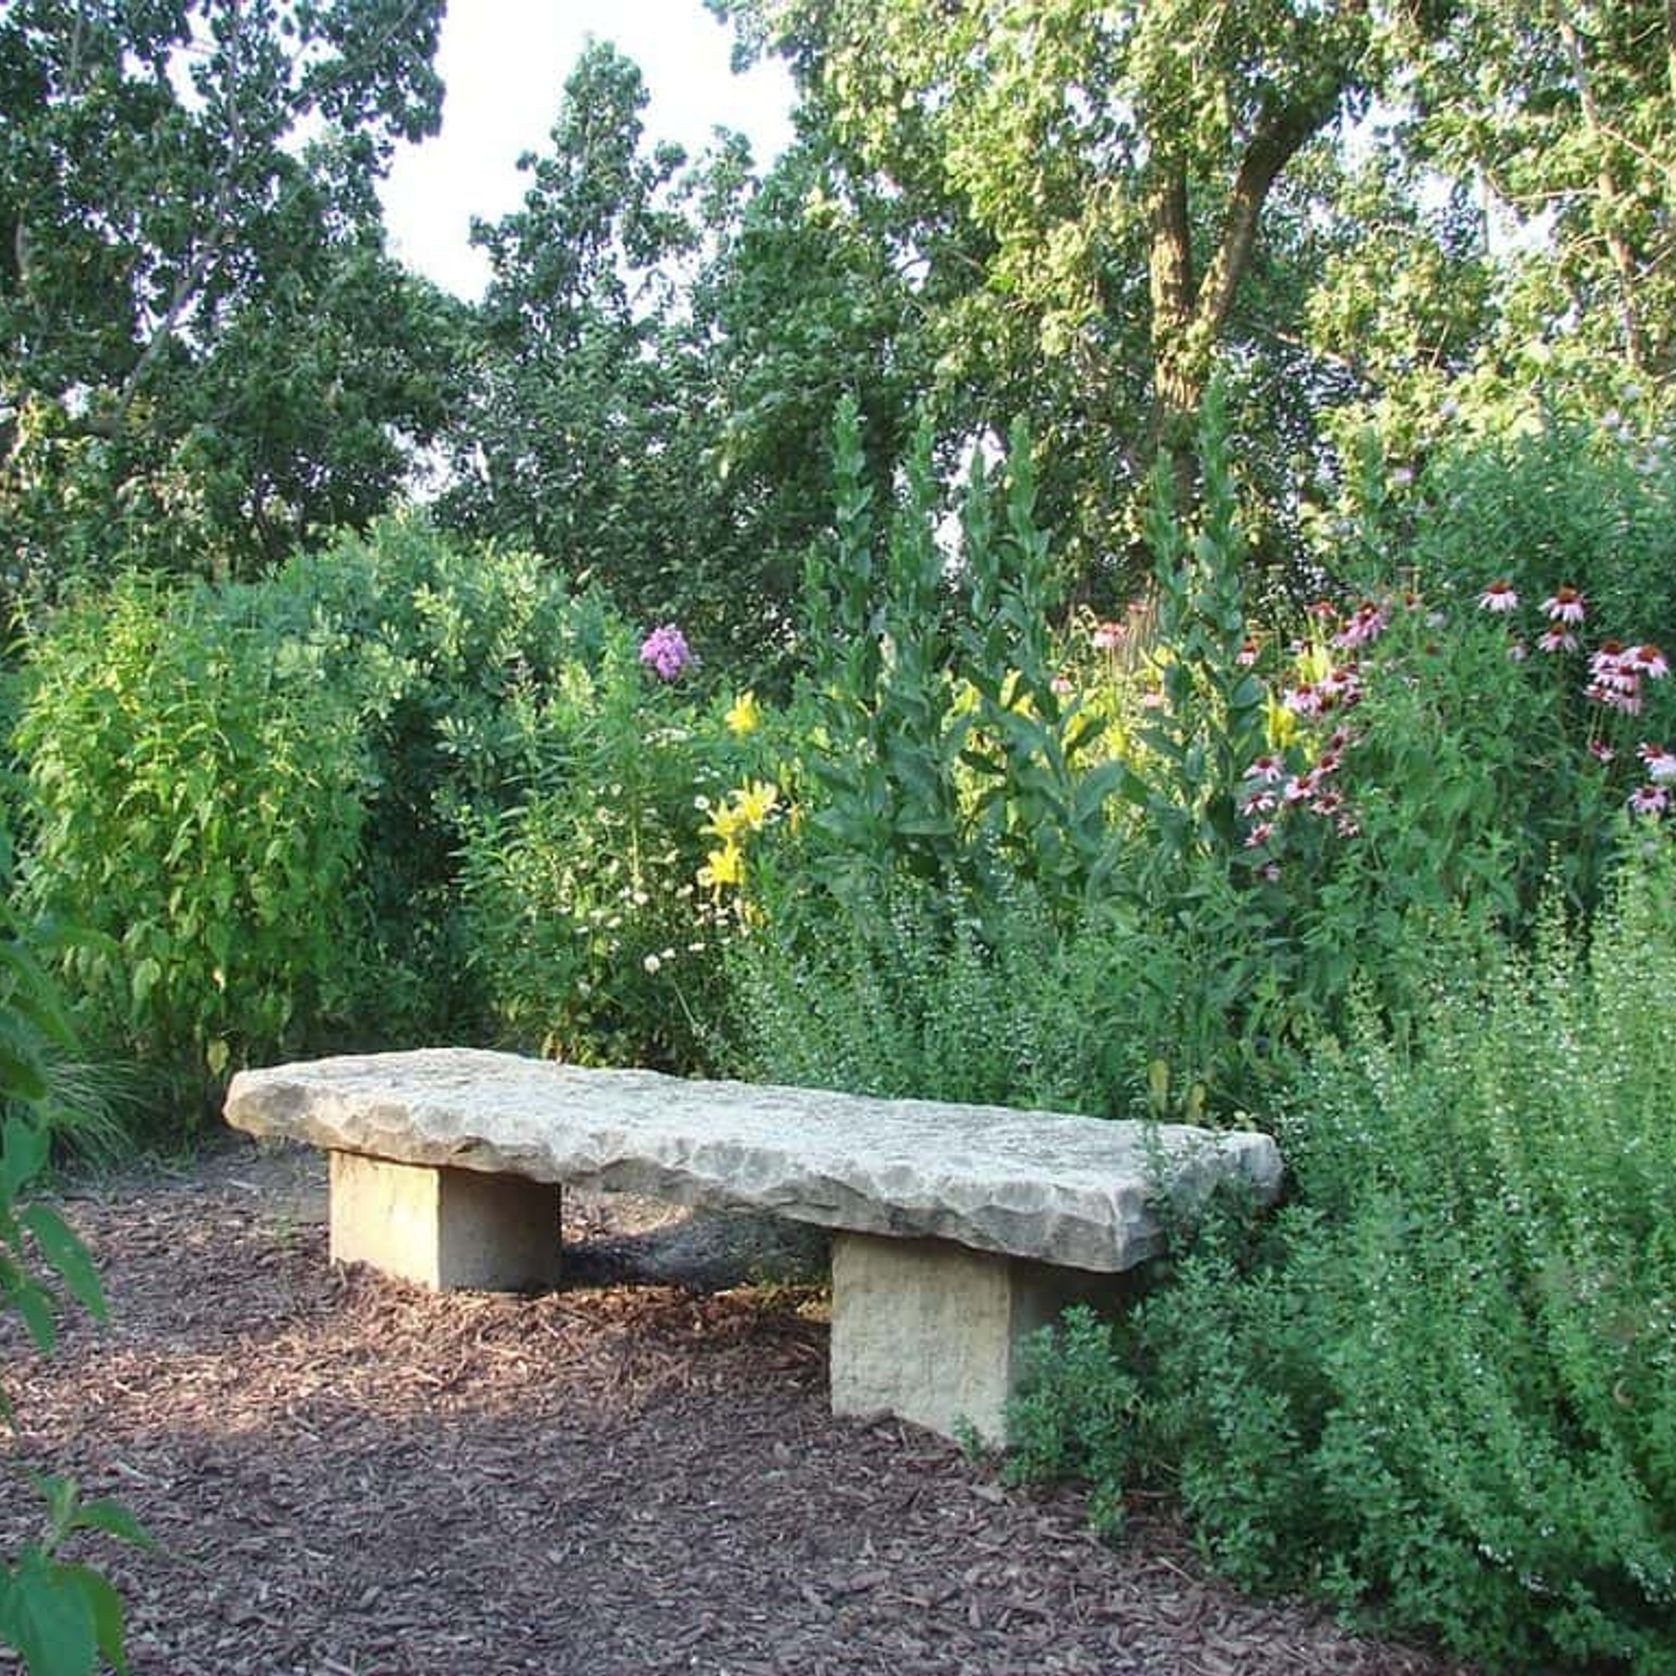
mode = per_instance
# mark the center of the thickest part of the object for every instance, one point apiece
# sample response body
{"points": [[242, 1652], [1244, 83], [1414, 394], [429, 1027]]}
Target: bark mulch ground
{"points": [[346, 1474]]}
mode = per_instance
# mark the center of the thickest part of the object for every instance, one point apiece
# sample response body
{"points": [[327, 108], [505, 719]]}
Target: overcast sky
{"points": [[505, 64]]}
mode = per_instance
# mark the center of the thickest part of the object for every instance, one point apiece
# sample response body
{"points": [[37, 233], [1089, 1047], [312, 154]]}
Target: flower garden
{"points": [[1389, 873]]}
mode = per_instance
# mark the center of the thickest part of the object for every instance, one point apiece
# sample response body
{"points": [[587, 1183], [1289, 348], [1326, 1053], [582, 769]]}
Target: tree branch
{"points": [[1606, 186]]}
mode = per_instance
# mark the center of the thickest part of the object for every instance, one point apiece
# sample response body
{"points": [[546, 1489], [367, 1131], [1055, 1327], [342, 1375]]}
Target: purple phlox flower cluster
{"points": [[665, 652]]}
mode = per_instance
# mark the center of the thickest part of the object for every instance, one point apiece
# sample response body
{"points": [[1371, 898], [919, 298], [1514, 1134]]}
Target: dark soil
{"points": [[346, 1474]]}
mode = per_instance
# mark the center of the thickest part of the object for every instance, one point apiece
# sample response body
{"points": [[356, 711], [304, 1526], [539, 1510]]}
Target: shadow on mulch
{"points": [[347, 1474]]}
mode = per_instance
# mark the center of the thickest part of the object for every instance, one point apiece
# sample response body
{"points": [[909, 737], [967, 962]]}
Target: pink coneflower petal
{"points": [[1601, 751], [1648, 660], [1518, 651], [1367, 622], [1301, 787], [1247, 654], [1107, 636], [1565, 605], [1259, 834], [1269, 770], [1499, 596], [1649, 800], [1616, 694], [1304, 700], [1659, 760], [1259, 803], [1607, 658], [1557, 639]]}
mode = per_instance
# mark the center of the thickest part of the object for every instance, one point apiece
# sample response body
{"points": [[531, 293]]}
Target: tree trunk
{"points": [[1178, 384], [1190, 315]]}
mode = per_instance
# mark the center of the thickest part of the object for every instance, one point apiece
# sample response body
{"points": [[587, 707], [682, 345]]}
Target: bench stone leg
{"points": [[931, 1332], [444, 1228]]}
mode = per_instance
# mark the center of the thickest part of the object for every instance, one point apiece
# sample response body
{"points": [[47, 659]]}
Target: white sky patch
{"points": [[505, 63]]}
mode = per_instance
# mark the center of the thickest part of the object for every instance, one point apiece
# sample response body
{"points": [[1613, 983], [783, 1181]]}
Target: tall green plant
{"points": [[1043, 786], [885, 766], [193, 787], [585, 925], [1213, 718], [60, 1615], [945, 751]]}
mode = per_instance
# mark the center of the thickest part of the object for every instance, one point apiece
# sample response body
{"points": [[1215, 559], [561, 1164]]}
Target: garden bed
{"points": [[638, 1473]]}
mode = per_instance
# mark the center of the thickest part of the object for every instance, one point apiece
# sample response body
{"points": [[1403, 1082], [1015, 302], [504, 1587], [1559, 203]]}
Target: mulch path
{"points": [[346, 1474]]}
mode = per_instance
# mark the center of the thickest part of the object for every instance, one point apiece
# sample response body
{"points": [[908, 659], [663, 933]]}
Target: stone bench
{"points": [[959, 1229]]}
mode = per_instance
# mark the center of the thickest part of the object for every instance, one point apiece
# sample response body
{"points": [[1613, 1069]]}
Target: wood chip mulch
{"points": [[348, 1476]]}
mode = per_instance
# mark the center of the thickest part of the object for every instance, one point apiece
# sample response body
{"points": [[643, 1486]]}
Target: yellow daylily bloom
{"points": [[725, 866], [744, 714], [756, 802]]}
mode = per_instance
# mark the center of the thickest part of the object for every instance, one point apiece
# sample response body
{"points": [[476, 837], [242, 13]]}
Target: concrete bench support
{"points": [[960, 1229], [933, 1332], [444, 1228]]}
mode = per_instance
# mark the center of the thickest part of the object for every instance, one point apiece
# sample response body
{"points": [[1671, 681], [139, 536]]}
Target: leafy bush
{"points": [[1443, 1385], [193, 801], [255, 798], [991, 1003], [1076, 1414], [582, 904], [1566, 504], [447, 653]]}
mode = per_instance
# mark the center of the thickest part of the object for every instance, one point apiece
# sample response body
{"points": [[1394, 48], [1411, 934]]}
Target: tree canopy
{"points": [[1419, 214], [204, 350]]}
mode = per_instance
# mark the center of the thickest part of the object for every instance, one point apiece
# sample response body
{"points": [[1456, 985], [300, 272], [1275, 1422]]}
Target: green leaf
{"points": [[24, 1149], [66, 1253], [49, 1618], [147, 974], [21, 1073], [34, 1304], [115, 1520], [106, 1606]]}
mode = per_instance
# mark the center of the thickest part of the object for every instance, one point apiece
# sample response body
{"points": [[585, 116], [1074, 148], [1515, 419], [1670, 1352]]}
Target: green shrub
{"points": [[1563, 505], [448, 654], [1443, 1386], [582, 909], [193, 800], [931, 997], [1076, 1414]]}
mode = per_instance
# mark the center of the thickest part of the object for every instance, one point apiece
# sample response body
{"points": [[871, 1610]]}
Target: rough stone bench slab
{"points": [[960, 1229]]}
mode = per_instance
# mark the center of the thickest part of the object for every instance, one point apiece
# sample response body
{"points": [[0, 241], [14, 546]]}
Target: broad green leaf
{"points": [[108, 1616], [50, 1619], [66, 1253]]}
